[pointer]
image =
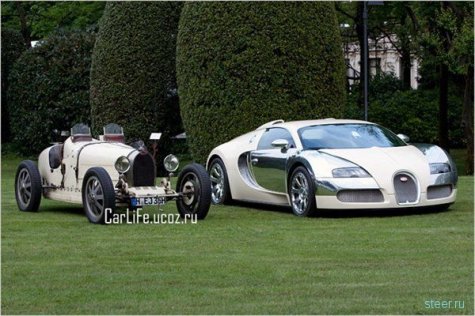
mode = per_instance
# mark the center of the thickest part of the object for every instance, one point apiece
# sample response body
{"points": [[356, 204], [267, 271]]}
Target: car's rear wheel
{"points": [[28, 188], [302, 192], [220, 193], [195, 186], [98, 195]]}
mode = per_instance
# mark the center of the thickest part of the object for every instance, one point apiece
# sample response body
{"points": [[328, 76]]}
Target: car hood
{"points": [[383, 163]]}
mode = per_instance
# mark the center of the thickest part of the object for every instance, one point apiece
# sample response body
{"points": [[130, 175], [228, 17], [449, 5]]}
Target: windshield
{"points": [[347, 136]]}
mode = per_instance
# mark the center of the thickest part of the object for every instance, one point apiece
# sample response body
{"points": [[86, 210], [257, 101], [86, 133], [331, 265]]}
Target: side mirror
{"points": [[405, 138], [283, 144]]}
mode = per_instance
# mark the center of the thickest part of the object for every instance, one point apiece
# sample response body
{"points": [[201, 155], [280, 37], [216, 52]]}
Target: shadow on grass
{"points": [[348, 213], [74, 209]]}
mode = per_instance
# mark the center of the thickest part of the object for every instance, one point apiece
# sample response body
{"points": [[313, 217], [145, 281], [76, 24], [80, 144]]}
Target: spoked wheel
{"points": [[219, 182], [302, 193], [195, 186], [98, 196], [28, 188]]}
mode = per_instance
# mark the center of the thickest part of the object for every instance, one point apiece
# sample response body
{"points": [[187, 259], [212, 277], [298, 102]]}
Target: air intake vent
{"points": [[360, 196], [143, 171], [439, 191], [406, 189]]}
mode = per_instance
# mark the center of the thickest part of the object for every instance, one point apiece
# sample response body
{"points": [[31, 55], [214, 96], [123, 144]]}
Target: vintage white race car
{"points": [[331, 164], [105, 173]]}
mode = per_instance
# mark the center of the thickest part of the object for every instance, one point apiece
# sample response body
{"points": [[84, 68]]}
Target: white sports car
{"points": [[331, 164]]}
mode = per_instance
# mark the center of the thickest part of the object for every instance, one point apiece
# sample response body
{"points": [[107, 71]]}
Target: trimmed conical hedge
{"points": [[241, 64], [133, 69]]}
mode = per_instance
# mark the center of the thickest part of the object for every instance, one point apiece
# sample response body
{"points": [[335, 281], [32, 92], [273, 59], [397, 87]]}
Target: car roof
{"points": [[298, 124]]}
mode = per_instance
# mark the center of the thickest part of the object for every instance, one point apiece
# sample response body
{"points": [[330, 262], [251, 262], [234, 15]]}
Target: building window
{"points": [[374, 66]]}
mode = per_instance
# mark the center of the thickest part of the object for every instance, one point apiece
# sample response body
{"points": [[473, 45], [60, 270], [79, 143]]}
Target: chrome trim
{"points": [[416, 182], [331, 186]]}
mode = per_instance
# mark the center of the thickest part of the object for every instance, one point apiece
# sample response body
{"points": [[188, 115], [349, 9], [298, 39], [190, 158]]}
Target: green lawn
{"points": [[241, 260]]}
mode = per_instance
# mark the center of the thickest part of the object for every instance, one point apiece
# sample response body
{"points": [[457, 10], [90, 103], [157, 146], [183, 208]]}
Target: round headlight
{"points": [[122, 164], [171, 163]]}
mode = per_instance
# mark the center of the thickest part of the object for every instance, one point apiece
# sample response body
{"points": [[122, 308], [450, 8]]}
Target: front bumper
{"points": [[155, 194], [329, 195]]}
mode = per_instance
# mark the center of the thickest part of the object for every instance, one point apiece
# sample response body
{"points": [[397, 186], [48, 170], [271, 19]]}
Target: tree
{"points": [[446, 39], [12, 48], [49, 89], [36, 20], [461, 56], [133, 70], [242, 64]]}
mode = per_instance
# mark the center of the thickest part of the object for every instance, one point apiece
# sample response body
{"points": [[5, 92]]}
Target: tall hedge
{"points": [[12, 47], [133, 69], [241, 64], [49, 89]]}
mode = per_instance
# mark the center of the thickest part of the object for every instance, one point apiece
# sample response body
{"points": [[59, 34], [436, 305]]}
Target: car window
{"points": [[272, 134]]}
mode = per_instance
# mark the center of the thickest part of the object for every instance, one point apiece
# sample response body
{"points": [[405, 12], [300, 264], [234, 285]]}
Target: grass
{"points": [[241, 260]]}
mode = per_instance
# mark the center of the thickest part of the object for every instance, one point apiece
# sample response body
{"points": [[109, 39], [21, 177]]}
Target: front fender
{"points": [[435, 154]]}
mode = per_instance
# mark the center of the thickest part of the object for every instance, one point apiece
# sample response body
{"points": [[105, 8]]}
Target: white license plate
{"points": [[151, 201]]}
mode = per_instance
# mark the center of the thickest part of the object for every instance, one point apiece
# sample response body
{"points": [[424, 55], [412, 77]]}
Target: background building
{"points": [[383, 58]]}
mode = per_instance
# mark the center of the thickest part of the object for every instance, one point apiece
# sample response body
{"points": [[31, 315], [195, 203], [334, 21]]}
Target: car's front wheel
{"points": [[195, 186], [28, 188], [220, 193], [302, 192], [98, 195]]}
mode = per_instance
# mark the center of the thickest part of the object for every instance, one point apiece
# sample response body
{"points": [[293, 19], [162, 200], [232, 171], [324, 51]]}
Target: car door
{"points": [[268, 163]]}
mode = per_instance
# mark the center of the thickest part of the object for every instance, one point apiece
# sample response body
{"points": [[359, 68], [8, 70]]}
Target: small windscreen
{"points": [[113, 129], [80, 129]]}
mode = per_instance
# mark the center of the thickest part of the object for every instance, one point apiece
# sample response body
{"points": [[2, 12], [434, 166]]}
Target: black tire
{"points": [[194, 183], [220, 192], [302, 193], [28, 188], [97, 181]]}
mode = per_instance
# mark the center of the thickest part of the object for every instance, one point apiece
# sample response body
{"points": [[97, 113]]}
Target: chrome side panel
{"points": [[269, 169]]}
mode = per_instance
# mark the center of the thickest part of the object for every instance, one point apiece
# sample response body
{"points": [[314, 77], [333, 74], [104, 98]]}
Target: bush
{"points": [[241, 64], [411, 112], [133, 70], [12, 47], [49, 89]]}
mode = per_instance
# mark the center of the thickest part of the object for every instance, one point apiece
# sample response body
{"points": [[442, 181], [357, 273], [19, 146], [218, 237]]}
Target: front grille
{"points": [[143, 170], [439, 191], [406, 188], [360, 196]]}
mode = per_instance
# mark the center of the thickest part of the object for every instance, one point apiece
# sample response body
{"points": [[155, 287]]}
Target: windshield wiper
{"points": [[316, 148]]}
